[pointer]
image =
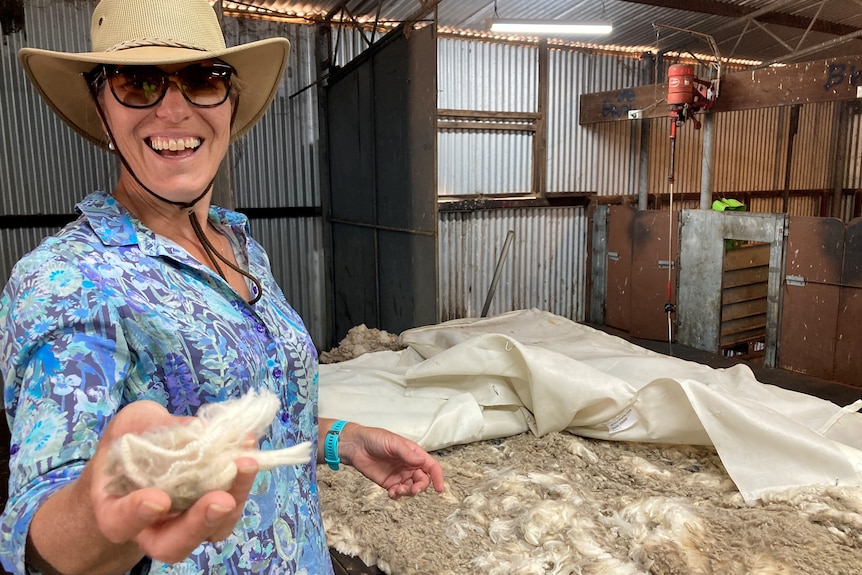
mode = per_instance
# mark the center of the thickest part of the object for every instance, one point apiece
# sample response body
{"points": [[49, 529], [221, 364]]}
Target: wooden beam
{"points": [[832, 80]]}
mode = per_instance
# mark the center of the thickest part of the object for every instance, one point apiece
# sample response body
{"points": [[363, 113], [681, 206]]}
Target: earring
{"points": [[111, 146]]}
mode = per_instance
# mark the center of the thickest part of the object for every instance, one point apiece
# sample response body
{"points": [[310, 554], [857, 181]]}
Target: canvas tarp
{"points": [[476, 379]]}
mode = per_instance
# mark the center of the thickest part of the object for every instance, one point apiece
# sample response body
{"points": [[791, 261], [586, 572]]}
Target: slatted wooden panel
{"points": [[745, 282]]}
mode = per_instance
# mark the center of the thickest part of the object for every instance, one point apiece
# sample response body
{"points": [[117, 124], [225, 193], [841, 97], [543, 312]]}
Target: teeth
{"points": [[174, 144]]}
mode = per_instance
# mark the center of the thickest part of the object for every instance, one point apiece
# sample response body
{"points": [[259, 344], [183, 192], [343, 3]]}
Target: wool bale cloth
{"points": [[469, 380]]}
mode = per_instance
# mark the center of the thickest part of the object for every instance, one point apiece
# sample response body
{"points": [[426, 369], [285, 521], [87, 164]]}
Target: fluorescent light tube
{"points": [[559, 27]]}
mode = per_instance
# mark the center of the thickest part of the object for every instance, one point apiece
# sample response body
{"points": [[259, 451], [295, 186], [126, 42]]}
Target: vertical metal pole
{"points": [[499, 267], [706, 163]]}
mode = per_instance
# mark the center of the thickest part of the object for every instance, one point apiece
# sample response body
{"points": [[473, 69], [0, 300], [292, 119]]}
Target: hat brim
{"points": [[58, 77]]}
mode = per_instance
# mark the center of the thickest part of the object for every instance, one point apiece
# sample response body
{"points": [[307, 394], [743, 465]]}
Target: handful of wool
{"points": [[193, 458]]}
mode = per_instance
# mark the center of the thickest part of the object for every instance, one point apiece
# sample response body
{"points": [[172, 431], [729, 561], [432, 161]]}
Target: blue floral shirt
{"points": [[105, 313]]}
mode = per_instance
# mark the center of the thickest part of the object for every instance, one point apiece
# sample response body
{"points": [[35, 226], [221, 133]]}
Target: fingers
{"points": [[435, 473], [120, 519], [212, 518], [415, 484]]}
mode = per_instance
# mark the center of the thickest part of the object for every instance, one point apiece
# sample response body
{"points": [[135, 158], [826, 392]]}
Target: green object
{"points": [[728, 204]]}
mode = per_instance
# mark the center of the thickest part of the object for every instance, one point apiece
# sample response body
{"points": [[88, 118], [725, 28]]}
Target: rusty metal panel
{"points": [[382, 186], [618, 302], [848, 339], [651, 284], [813, 263]]}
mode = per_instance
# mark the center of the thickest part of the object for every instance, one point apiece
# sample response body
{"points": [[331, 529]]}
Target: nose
{"points": [[173, 105]]}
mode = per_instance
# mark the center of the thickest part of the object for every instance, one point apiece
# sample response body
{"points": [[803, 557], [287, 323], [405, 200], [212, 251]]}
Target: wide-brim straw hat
{"points": [[157, 33]]}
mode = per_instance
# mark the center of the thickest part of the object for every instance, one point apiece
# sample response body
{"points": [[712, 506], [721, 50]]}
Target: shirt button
{"points": [[277, 373], [260, 328]]}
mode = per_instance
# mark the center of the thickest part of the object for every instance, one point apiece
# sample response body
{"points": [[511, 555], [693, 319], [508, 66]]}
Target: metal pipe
{"points": [[509, 237]]}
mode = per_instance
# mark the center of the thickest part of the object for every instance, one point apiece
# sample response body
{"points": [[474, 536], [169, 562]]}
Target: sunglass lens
{"points": [[205, 85], [138, 86]]}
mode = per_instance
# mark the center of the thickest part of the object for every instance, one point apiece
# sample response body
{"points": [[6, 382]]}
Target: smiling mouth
{"points": [[168, 146]]}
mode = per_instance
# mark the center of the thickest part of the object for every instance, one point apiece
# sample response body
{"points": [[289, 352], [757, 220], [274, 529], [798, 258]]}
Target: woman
{"points": [[154, 303]]}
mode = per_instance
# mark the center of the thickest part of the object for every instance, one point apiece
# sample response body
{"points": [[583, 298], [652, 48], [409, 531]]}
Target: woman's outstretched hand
{"points": [[393, 462]]}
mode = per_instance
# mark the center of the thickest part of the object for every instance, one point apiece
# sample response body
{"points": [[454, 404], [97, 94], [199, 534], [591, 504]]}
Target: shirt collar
{"points": [[115, 226]]}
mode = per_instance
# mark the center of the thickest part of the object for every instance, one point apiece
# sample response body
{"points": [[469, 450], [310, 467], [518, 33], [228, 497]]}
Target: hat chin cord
{"points": [[211, 251]]}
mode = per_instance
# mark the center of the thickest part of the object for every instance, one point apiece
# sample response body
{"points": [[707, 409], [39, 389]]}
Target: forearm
{"points": [[64, 537]]}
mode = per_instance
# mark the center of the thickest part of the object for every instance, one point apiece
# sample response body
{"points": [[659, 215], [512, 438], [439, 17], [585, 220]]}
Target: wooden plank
{"points": [[831, 80], [487, 115], [755, 324], [492, 126], [619, 288], [848, 339], [735, 278], [747, 256], [730, 341], [745, 293], [731, 311], [652, 232]]}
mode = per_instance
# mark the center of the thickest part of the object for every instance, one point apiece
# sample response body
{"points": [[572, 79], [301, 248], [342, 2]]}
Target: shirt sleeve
{"points": [[62, 359]]}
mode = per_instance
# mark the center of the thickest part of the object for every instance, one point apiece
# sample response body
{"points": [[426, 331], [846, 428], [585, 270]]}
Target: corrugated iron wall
{"points": [[543, 268], [276, 167], [276, 164], [487, 77], [46, 167], [602, 158]]}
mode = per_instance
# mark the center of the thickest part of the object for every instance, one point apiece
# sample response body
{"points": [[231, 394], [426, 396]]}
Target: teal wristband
{"points": [[330, 444]]}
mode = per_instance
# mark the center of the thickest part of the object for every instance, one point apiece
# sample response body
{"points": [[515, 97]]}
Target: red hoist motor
{"points": [[686, 95]]}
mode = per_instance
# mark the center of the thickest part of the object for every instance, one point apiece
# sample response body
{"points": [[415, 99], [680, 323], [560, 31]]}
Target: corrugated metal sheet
{"points": [[688, 158], [750, 149], [544, 267], [295, 249], [488, 76], [46, 167], [633, 23], [598, 158], [486, 163], [812, 147], [276, 163]]}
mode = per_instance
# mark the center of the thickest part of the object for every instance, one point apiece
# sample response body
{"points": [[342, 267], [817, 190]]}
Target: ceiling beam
{"points": [[833, 80], [727, 10]]}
